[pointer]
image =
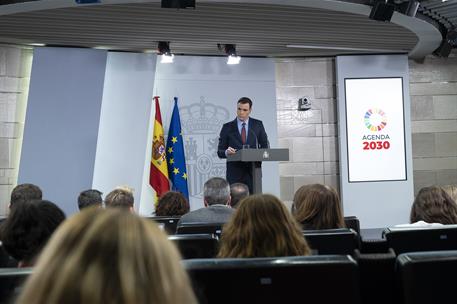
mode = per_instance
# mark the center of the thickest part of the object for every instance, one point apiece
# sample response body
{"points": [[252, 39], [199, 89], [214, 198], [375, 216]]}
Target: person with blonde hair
{"points": [[262, 227], [121, 197], [317, 207], [108, 256], [451, 190]]}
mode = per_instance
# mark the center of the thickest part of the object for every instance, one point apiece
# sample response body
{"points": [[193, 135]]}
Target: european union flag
{"points": [[177, 172]]}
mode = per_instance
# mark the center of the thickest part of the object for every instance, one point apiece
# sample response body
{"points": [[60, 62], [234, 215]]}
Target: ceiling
{"points": [[270, 28]]}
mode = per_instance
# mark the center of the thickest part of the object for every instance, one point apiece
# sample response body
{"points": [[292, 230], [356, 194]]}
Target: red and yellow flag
{"points": [[158, 174]]}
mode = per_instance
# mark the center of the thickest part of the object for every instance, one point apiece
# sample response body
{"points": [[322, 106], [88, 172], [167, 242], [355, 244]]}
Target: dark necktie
{"points": [[243, 133]]}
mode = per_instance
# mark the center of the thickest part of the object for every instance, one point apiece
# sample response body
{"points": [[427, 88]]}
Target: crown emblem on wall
{"points": [[203, 117]]}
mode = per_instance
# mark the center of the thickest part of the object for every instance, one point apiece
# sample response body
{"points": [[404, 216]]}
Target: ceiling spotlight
{"points": [[230, 50], [163, 50]]}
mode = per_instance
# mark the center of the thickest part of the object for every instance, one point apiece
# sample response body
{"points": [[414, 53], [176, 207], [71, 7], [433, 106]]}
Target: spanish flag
{"points": [[158, 174]]}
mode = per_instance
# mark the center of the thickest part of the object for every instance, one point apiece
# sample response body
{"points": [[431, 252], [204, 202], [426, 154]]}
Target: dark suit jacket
{"points": [[238, 172]]}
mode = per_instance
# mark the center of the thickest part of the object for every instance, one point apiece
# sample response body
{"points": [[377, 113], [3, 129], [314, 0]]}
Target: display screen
{"points": [[375, 129]]}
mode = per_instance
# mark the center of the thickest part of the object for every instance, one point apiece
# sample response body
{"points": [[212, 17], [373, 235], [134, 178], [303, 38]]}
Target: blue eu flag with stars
{"points": [[177, 172]]}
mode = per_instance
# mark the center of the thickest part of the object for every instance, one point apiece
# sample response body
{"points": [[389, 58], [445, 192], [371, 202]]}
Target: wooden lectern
{"points": [[254, 157]]}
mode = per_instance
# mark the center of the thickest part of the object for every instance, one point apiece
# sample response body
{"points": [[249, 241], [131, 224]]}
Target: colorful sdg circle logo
{"points": [[375, 119]]}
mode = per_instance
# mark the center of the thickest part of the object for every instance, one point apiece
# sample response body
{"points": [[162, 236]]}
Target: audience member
{"points": [[433, 205], [121, 197], [317, 206], [108, 256], [25, 192], [238, 191], [172, 204], [216, 196], [90, 198], [28, 228], [451, 190], [262, 227]]}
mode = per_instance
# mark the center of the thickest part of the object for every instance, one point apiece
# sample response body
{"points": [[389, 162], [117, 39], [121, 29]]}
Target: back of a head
{"points": [[317, 206], [238, 191], [451, 190], [90, 198], [433, 205], [28, 228], [108, 256], [172, 204], [25, 192], [120, 198], [216, 191], [262, 227]]}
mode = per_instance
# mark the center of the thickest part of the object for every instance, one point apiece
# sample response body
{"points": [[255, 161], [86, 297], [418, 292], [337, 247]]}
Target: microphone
{"points": [[256, 139]]}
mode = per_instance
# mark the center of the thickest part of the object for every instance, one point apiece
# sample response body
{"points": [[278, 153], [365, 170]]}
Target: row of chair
{"points": [[346, 241], [170, 224], [420, 277]]}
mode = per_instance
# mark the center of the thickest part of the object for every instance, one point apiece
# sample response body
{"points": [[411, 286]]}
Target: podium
{"points": [[254, 157]]}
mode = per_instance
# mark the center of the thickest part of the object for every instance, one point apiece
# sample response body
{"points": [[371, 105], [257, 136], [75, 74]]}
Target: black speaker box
{"points": [[382, 11]]}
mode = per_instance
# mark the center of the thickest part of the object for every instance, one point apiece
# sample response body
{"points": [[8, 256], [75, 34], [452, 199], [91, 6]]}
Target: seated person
{"points": [[172, 204], [238, 191], [262, 227], [433, 205], [25, 192], [216, 197], [28, 228], [121, 197], [108, 256], [90, 198], [317, 207], [451, 190]]}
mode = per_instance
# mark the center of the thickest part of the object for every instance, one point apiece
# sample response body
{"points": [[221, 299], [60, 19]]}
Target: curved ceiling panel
{"points": [[257, 29]]}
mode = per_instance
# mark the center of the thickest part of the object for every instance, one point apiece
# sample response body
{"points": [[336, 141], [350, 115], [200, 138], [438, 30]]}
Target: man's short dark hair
{"points": [[216, 191], [29, 226], [238, 191], [120, 198], [245, 100], [91, 197], [25, 192]]}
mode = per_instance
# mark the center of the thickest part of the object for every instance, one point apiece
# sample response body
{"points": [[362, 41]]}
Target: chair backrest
{"points": [[376, 270], [310, 279], [194, 246], [11, 281], [352, 222], [6, 261], [428, 277], [168, 223], [403, 240], [332, 241], [192, 228]]}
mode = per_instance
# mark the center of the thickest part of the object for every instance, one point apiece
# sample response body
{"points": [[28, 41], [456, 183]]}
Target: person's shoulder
{"points": [[231, 122], [255, 121]]}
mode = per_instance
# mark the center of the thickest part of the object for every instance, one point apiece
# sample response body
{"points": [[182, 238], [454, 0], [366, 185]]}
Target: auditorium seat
{"points": [[332, 241], [192, 228], [168, 223], [194, 246], [428, 277], [11, 281], [5, 259], [403, 240], [304, 279], [352, 222], [377, 273]]}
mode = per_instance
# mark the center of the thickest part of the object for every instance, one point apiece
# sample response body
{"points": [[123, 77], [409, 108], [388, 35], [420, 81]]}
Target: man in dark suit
{"points": [[242, 132]]}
